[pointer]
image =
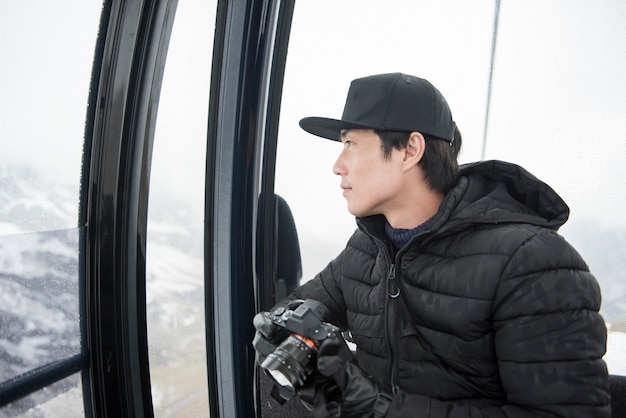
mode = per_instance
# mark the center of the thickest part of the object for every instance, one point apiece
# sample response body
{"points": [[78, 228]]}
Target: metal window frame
{"points": [[119, 133], [249, 55]]}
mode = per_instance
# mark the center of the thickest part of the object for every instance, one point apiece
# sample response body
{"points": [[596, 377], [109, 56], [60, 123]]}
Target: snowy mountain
{"points": [[39, 281], [30, 202], [39, 320]]}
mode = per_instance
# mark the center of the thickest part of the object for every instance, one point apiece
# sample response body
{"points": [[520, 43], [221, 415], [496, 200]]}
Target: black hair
{"points": [[439, 162]]}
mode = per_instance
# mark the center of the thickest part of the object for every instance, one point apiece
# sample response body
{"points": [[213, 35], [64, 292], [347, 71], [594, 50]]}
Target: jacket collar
{"points": [[489, 192]]}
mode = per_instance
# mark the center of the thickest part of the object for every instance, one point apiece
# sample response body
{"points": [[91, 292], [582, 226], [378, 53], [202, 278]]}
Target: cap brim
{"points": [[331, 128]]}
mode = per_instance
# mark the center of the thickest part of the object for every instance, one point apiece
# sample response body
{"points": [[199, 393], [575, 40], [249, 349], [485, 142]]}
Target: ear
{"points": [[414, 150]]}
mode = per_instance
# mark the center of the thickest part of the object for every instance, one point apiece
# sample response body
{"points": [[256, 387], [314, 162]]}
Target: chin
{"points": [[353, 212], [358, 213]]}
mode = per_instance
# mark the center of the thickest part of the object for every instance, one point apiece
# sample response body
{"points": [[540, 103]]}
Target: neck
{"points": [[416, 210]]}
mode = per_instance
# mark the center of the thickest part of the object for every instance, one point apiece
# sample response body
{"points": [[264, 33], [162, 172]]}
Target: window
{"points": [[42, 120], [175, 242], [557, 106]]}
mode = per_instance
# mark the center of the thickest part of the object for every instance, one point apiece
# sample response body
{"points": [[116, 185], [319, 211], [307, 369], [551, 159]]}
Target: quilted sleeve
{"points": [[326, 288], [549, 335]]}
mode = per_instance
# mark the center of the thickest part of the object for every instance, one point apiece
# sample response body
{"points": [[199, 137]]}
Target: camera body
{"points": [[295, 358]]}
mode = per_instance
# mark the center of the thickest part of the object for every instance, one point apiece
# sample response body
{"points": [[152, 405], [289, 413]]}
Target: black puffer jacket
{"points": [[489, 312]]}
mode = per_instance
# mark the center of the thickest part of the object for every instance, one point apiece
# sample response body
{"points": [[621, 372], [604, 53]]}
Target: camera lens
{"points": [[292, 361]]}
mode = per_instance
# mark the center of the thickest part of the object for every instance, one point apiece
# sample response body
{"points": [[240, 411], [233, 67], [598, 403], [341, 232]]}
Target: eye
{"points": [[347, 144]]}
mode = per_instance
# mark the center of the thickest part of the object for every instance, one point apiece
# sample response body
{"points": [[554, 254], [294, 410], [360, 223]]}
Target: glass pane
{"points": [[44, 79], [557, 108], [175, 266], [39, 293]]}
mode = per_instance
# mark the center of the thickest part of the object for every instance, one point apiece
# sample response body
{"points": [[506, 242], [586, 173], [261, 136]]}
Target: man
{"points": [[461, 298]]}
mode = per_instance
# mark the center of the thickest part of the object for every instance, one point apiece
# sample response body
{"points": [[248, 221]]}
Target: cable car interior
{"points": [[157, 191]]}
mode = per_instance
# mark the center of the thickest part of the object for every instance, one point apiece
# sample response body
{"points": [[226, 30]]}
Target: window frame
{"points": [[249, 58], [126, 81]]}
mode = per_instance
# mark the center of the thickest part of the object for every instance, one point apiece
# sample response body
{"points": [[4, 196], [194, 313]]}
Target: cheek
{"points": [[377, 173], [368, 176], [384, 183]]}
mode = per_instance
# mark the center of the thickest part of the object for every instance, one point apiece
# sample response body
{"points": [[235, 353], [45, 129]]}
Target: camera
{"points": [[295, 358]]}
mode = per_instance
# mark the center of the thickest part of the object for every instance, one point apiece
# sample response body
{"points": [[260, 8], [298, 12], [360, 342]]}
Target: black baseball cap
{"points": [[389, 102]]}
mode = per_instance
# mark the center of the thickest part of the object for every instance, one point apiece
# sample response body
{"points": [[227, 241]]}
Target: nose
{"points": [[339, 168]]}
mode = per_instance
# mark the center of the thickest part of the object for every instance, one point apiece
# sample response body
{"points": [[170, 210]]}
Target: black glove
{"points": [[360, 395]]}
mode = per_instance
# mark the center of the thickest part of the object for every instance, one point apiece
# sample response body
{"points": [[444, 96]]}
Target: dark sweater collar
{"points": [[400, 237]]}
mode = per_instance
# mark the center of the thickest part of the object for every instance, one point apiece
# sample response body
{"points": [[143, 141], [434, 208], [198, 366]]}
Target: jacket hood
{"points": [[501, 192]]}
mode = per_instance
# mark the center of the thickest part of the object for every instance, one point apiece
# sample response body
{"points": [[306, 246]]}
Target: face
{"points": [[371, 184]]}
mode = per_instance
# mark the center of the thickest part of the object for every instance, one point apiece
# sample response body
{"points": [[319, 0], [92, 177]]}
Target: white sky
{"points": [[42, 98]]}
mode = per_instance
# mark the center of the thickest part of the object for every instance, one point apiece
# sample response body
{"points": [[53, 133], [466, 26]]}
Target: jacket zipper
{"points": [[393, 291]]}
